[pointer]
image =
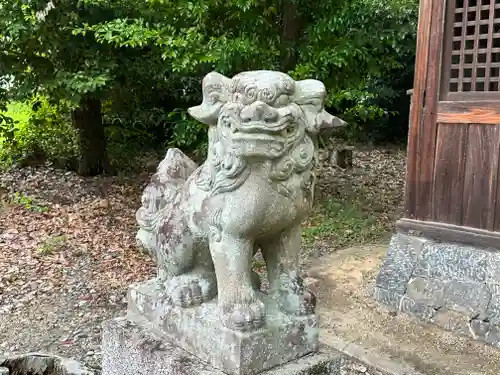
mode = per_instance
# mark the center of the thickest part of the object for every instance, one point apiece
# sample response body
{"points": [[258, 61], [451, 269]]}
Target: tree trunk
{"points": [[87, 119], [290, 34]]}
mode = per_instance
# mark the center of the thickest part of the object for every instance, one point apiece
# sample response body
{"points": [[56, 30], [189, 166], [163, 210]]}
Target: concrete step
{"points": [[355, 324]]}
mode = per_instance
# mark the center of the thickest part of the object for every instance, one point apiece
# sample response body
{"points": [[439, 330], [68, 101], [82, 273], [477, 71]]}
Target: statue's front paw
{"points": [[244, 316], [191, 289]]}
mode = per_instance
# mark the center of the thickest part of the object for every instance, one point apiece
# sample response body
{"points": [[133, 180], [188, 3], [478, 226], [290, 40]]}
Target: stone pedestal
{"points": [[131, 349], [199, 331], [454, 286]]}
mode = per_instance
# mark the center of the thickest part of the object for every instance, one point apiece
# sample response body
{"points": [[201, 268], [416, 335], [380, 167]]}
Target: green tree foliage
{"points": [[39, 48], [129, 69], [363, 50]]}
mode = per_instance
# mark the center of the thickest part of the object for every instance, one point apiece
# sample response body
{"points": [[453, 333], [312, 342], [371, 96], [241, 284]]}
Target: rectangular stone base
{"points": [[129, 349], [199, 331], [454, 286]]}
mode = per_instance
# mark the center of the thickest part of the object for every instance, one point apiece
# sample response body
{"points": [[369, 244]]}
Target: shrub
{"points": [[39, 132]]}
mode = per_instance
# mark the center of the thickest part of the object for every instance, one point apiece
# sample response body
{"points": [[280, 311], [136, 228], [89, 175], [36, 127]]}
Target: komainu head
{"points": [[262, 114]]}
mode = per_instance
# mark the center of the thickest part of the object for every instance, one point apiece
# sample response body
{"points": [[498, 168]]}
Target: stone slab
{"points": [[130, 349], [448, 261], [198, 330], [469, 298], [42, 363], [398, 265]]}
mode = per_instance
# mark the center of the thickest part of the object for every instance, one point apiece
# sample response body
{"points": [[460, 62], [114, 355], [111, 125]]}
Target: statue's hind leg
{"points": [[186, 267]]}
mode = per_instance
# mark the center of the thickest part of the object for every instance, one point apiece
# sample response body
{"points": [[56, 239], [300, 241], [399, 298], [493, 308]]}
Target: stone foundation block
{"points": [[452, 262], [451, 285], [199, 331], [486, 332], [426, 291], [493, 311], [130, 349]]}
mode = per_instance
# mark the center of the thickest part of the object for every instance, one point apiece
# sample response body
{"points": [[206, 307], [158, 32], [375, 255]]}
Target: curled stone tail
{"points": [[161, 193]]}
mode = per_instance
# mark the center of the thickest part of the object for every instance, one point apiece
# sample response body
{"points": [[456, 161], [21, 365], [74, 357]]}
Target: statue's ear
{"points": [[310, 96], [214, 88]]}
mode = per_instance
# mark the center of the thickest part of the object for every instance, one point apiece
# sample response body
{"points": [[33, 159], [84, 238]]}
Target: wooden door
{"points": [[454, 140]]}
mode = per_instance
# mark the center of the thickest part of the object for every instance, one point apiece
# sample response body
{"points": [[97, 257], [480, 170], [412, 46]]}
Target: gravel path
{"points": [[68, 252]]}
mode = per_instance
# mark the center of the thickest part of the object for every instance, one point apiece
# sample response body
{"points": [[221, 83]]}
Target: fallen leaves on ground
{"points": [[356, 205], [66, 269]]}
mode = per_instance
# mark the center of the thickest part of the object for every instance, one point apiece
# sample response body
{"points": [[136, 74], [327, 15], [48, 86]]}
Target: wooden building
{"points": [[452, 189]]}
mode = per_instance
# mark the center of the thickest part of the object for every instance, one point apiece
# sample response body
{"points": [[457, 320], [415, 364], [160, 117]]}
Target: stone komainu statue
{"points": [[203, 224]]}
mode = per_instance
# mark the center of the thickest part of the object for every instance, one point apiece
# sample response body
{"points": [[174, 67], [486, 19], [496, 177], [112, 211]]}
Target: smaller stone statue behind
{"points": [[203, 224]]}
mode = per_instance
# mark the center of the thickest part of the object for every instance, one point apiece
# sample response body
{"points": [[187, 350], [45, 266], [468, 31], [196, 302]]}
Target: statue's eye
{"points": [[281, 101], [213, 98], [251, 94]]}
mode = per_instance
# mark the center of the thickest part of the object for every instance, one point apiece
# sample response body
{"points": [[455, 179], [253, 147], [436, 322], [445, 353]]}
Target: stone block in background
{"points": [[343, 157], [199, 331], [453, 286]]}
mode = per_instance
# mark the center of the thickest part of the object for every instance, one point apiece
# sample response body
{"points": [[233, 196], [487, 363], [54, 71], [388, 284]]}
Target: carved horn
{"points": [[214, 96], [310, 96]]}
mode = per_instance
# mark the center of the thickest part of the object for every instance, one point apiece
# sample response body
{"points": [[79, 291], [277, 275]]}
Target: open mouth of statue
{"points": [[263, 131], [256, 137], [258, 144]]}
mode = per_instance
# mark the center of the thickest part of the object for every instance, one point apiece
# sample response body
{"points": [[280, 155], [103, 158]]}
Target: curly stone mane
{"points": [[223, 171]]}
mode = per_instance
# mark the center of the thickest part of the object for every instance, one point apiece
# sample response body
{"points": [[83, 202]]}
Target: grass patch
{"points": [[258, 265], [28, 203], [52, 245], [342, 223]]}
